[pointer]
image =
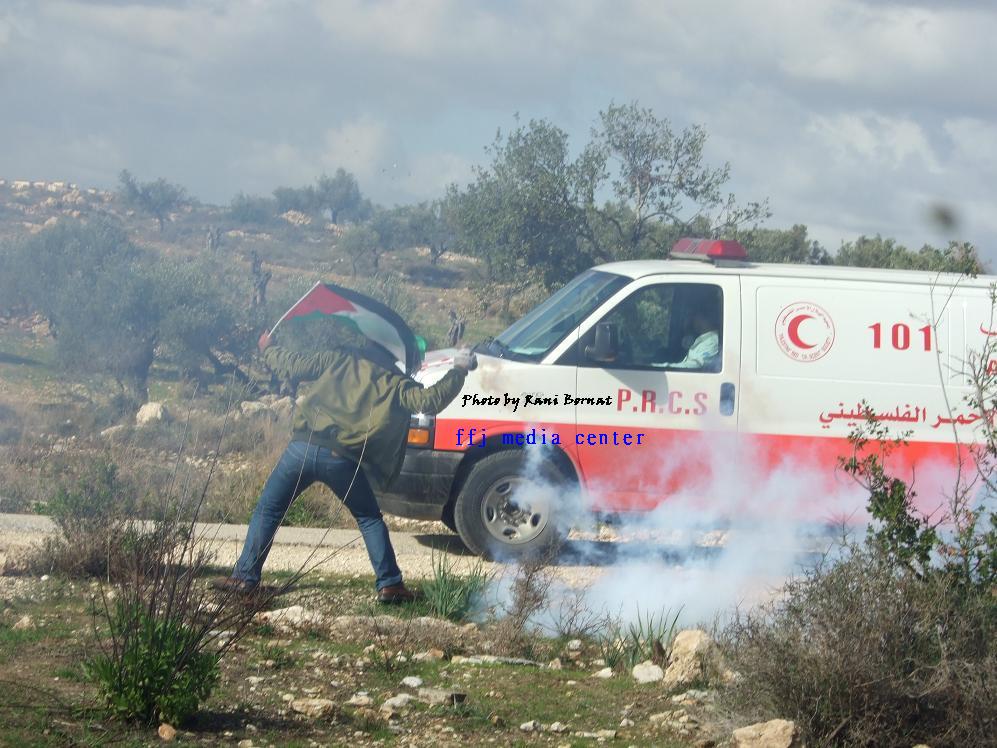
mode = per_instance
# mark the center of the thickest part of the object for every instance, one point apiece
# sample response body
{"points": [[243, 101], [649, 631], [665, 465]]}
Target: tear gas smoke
{"points": [[729, 541]]}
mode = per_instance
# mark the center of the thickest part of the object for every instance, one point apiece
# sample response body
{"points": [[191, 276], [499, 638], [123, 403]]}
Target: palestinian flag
{"points": [[370, 318]]}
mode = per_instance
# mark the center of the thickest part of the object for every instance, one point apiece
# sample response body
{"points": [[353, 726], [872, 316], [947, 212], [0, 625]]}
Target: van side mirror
{"points": [[606, 345]]}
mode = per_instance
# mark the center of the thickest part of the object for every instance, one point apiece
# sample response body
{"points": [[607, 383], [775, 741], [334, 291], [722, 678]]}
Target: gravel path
{"points": [[335, 551]]}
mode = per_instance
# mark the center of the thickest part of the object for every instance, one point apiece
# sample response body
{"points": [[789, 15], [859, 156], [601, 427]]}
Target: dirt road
{"points": [[336, 551]]}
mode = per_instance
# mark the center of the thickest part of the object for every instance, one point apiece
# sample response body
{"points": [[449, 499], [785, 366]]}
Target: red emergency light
{"points": [[708, 249]]}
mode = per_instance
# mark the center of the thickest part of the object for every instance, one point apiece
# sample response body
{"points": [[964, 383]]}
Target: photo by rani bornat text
{"points": [[475, 437], [508, 400]]}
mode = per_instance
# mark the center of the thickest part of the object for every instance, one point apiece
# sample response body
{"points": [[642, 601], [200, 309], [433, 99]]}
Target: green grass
{"points": [[513, 694]]}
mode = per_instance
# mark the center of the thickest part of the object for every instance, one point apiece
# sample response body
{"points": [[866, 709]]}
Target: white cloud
{"points": [[975, 141], [870, 139], [848, 114]]}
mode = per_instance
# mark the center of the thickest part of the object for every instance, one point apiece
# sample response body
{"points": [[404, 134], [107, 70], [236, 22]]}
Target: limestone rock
{"points": [[360, 699], [167, 733], [255, 409], [296, 217], [293, 617], [24, 623], [606, 672], [531, 726], [283, 408], [441, 697], [776, 733], [314, 708], [151, 413], [694, 656], [647, 672], [600, 735], [114, 433], [412, 681], [396, 704], [430, 655]]}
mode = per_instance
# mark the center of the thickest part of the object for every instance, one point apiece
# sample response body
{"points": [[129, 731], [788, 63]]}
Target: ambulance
{"points": [[638, 381]]}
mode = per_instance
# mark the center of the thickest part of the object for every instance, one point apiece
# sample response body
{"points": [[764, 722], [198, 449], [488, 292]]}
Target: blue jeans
{"points": [[301, 465]]}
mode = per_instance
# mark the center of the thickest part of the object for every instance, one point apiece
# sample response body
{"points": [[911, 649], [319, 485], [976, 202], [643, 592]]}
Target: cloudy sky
{"points": [[851, 117]]}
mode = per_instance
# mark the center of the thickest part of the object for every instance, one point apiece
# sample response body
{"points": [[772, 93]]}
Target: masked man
{"points": [[349, 430]]}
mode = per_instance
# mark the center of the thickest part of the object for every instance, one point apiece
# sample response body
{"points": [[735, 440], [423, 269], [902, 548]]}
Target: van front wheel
{"points": [[503, 511]]}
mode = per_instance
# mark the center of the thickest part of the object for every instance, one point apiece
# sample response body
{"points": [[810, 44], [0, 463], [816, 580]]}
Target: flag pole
{"points": [[295, 304]]}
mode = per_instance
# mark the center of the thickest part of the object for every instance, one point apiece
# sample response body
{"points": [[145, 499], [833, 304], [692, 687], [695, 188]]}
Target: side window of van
{"points": [[669, 326]]}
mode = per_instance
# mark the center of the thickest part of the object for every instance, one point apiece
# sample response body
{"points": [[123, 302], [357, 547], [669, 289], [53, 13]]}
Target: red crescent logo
{"points": [[820, 331], [793, 331]]}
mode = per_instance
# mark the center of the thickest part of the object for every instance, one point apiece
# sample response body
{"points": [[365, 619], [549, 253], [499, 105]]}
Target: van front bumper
{"points": [[423, 487]]}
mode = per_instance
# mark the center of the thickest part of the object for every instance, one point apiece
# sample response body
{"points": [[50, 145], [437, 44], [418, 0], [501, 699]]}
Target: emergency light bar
{"points": [[708, 250]]}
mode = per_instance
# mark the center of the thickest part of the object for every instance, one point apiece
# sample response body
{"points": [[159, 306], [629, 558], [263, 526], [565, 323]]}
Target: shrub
{"points": [[159, 659], [252, 209], [94, 515], [155, 670], [648, 637], [451, 594], [890, 642], [863, 652]]}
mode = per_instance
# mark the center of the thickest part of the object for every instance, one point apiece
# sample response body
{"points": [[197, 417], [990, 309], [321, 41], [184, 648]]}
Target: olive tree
{"points": [[632, 190], [158, 198]]}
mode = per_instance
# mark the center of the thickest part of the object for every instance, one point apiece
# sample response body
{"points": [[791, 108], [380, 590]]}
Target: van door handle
{"points": [[727, 399]]}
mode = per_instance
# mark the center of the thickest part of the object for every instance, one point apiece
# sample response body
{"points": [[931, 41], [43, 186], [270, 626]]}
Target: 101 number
{"points": [[900, 336]]}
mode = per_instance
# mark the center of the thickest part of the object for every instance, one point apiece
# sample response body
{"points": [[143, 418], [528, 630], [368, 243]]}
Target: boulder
{"points": [[430, 655], [115, 433], [412, 681], [776, 733], [255, 409], [167, 733], [283, 409], [694, 657], [647, 672], [396, 704], [441, 696], [24, 623], [293, 617], [151, 413], [314, 708]]}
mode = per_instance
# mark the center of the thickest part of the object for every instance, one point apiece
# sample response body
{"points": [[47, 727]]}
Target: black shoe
{"points": [[395, 595]]}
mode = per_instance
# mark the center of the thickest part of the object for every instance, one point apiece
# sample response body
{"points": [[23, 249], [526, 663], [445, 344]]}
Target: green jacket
{"points": [[354, 401]]}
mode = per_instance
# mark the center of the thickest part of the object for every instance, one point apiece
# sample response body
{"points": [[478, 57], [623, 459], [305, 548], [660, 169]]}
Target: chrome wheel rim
{"points": [[515, 511]]}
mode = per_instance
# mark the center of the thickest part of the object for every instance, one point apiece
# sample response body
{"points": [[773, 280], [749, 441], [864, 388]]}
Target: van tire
{"points": [[447, 518], [489, 521]]}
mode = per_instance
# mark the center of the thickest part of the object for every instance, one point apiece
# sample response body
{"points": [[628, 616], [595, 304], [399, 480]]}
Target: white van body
{"points": [[801, 348]]}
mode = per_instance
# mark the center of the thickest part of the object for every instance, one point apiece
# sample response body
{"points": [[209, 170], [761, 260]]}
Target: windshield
{"points": [[533, 336]]}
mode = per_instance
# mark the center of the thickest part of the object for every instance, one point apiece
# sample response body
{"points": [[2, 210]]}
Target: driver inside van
{"points": [[704, 350]]}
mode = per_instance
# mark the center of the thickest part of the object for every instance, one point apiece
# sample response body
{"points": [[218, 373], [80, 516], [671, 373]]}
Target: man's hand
{"points": [[264, 342], [465, 359]]}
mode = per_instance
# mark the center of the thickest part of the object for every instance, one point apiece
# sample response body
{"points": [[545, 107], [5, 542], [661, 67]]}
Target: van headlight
{"points": [[420, 430]]}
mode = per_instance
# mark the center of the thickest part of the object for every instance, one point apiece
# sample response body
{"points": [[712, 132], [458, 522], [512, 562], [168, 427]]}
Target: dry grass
{"points": [[862, 652]]}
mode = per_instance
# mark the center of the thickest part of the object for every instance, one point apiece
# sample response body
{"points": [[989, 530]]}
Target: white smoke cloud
{"points": [[731, 541]]}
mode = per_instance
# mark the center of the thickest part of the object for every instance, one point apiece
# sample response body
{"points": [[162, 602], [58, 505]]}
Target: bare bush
{"points": [[528, 598], [98, 534], [863, 652]]}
